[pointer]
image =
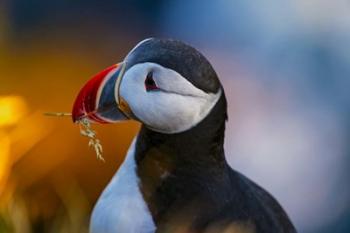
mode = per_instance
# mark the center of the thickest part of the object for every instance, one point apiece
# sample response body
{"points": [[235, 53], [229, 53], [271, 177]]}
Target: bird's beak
{"points": [[99, 100]]}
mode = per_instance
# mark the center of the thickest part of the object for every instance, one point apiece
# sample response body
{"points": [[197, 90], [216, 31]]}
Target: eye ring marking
{"points": [[150, 84]]}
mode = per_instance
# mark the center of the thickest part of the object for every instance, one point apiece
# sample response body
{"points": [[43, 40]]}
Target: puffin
{"points": [[175, 177]]}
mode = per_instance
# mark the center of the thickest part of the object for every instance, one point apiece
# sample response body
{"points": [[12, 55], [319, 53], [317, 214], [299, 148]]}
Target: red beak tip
{"points": [[85, 102]]}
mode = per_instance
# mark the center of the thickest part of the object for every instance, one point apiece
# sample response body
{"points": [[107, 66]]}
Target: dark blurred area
{"points": [[285, 66]]}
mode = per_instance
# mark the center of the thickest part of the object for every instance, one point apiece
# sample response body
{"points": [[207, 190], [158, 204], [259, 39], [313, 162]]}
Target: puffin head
{"points": [[165, 84]]}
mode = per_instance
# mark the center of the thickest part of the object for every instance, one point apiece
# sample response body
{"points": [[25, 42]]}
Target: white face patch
{"points": [[175, 107]]}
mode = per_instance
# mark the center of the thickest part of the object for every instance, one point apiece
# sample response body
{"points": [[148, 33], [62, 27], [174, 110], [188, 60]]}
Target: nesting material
{"points": [[85, 130]]}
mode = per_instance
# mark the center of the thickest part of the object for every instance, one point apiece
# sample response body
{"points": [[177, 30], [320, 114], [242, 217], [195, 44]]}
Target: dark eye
{"points": [[150, 84]]}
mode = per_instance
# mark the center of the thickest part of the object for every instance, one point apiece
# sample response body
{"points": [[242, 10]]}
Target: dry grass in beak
{"points": [[85, 130]]}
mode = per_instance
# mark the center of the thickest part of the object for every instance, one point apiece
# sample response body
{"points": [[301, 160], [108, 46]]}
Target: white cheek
{"points": [[172, 113], [166, 111]]}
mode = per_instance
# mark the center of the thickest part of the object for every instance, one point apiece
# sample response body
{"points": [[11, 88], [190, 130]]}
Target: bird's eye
{"points": [[150, 84]]}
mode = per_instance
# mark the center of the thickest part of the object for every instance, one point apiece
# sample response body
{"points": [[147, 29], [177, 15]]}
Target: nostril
{"points": [[150, 84]]}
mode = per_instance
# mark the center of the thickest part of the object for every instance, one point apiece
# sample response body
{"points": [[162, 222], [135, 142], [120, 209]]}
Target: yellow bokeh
{"points": [[4, 158], [12, 109]]}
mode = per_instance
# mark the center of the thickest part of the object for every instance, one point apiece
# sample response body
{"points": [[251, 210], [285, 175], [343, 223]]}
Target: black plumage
{"points": [[184, 177]]}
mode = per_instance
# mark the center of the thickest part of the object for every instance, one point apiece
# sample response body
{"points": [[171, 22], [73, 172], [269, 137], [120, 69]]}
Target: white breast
{"points": [[121, 207]]}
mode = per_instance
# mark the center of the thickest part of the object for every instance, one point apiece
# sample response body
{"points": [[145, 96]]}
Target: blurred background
{"points": [[285, 66]]}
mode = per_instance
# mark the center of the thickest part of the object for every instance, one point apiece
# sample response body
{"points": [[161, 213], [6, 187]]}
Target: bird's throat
{"points": [[174, 168]]}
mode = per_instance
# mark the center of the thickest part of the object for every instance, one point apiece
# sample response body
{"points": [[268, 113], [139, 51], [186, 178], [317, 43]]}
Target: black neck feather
{"points": [[201, 145], [178, 169]]}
